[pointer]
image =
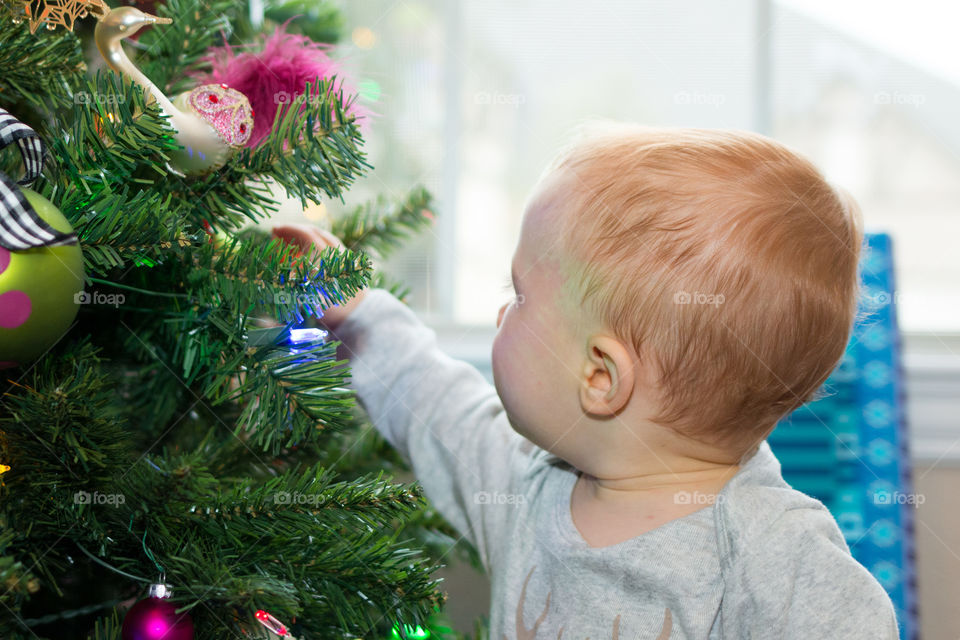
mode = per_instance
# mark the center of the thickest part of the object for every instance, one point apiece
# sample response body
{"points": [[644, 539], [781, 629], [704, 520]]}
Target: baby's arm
{"points": [[440, 413], [800, 581]]}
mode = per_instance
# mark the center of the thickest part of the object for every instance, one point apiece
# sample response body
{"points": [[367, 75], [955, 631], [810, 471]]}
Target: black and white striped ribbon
{"points": [[20, 225]]}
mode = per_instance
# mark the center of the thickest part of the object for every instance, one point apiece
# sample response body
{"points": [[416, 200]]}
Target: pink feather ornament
{"points": [[275, 75]]}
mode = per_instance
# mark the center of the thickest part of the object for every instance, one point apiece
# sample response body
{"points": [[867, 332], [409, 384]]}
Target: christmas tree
{"points": [[180, 422]]}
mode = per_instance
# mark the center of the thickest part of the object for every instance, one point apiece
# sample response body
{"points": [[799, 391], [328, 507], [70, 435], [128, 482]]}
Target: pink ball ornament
{"points": [[155, 618]]}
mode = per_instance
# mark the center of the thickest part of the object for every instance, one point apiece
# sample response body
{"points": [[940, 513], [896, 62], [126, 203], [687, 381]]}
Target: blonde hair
{"points": [[721, 256]]}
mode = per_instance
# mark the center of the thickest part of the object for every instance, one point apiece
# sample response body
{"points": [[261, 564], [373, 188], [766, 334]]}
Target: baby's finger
{"points": [[330, 238], [304, 237], [294, 235]]}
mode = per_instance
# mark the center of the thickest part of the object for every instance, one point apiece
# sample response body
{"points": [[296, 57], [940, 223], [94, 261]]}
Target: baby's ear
{"points": [[607, 377]]}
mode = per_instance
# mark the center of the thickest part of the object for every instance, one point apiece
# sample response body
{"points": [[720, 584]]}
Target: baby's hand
{"points": [[313, 240]]}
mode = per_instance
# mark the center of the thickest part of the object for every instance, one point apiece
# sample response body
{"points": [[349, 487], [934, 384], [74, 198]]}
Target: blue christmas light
{"points": [[300, 336]]}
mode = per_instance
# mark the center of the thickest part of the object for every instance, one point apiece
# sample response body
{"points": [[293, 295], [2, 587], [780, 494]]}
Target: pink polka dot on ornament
{"points": [[4, 259], [14, 309]]}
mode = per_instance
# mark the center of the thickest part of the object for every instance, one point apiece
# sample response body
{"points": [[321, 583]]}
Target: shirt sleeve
{"points": [[442, 416], [800, 581]]}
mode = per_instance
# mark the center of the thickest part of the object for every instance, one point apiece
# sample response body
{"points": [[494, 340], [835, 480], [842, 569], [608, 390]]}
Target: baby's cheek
{"points": [[506, 378], [497, 364]]}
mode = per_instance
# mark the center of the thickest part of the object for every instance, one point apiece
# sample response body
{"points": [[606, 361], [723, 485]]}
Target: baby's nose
{"points": [[500, 315]]}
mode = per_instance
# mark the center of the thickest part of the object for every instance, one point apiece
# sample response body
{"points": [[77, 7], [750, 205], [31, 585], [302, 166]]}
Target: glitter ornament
{"points": [[225, 109]]}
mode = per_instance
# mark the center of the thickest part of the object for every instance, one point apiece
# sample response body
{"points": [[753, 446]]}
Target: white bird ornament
{"points": [[212, 120]]}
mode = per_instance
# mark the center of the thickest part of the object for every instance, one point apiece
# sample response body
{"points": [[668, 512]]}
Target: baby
{"points": [[677, 291]]}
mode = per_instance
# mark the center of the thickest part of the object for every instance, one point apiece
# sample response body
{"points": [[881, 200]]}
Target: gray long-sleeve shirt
{"points": [[762, 561]]}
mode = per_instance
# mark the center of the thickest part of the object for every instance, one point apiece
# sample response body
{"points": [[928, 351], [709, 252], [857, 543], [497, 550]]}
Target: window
{"points": [[475, 97], [870, 95]]}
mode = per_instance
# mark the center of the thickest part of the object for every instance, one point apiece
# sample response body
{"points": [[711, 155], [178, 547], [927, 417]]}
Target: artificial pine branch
{"points": [[114, 137], [106, 628], [314, 148], [275, 551], [40, 69], [119, 229], [64, 432], [300, 394], [305, 495], [16, 580], [320, 20], [175, 409], [379, 226], [269, 273]]}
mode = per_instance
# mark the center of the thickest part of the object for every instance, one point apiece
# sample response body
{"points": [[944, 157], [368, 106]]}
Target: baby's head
{"points": [[678, 288]]}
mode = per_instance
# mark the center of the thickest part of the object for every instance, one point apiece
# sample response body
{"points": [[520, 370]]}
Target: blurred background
{"points": [[474, 98]]}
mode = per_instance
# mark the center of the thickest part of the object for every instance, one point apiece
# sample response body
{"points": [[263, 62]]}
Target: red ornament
{"points": [[155, 618]]}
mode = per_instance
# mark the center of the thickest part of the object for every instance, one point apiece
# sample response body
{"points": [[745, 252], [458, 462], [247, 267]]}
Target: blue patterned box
{"points": [[849, 449]]}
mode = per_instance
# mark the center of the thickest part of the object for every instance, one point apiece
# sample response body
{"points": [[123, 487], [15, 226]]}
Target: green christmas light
{"points": [[412, 633], [369, 90]]}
